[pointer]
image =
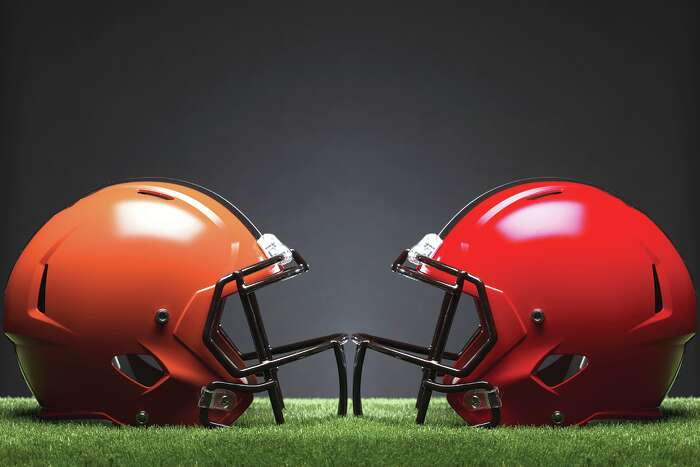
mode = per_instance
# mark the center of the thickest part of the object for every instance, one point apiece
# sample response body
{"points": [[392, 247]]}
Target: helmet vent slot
{"points": [[143, 369], [546, 193], [41, 299], [157, 194], [658, 299], [556, 369]]}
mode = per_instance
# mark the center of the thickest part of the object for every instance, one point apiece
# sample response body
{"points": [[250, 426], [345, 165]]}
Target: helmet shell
{"points": [[611, 286], [88, 286]]}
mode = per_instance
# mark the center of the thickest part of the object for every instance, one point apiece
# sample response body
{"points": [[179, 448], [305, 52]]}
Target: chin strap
{"points": [[478, 396], [221, 395]]}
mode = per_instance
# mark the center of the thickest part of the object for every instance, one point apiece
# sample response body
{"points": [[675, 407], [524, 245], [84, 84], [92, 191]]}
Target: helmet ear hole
{"points": [[557, 369], [143, 369]]}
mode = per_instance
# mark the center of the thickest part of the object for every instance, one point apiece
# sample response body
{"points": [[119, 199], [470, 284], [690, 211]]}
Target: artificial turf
{"points": [[313, 435]]}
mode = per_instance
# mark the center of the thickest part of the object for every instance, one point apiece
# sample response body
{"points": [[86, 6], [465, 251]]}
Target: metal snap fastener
{"points": [[225, 401], [558, 417], [475, 401], [141, 417], [537, 316], [162, 316]]}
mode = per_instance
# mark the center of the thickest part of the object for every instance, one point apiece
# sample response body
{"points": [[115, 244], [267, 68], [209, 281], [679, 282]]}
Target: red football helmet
{"points": [[585, 308], [114, 308]]}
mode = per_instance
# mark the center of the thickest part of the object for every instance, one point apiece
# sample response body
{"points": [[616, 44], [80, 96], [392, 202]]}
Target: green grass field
{"points": [[386, 435]]}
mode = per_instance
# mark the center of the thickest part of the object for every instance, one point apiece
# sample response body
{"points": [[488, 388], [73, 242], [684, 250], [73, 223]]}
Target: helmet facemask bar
{"points": [[431, 365], [267, 367]]}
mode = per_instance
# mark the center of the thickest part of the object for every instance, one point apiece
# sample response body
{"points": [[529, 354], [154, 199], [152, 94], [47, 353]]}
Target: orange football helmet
{"points": [[114, 308]]}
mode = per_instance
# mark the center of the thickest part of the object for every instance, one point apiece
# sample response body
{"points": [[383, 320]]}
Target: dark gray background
{"points": [[349, 132]]}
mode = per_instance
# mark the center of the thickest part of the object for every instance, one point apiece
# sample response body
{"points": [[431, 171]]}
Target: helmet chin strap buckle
{"points": [[482, 399], [427, 246], [217, 399]]}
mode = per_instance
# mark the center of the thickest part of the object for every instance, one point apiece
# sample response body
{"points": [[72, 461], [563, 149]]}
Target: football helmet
{"points": [[115, 305], [584, 309]]}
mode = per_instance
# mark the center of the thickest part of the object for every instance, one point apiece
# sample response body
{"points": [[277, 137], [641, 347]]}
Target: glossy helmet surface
{"points": [[585, 308], [114, 308]]}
